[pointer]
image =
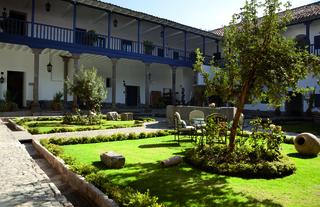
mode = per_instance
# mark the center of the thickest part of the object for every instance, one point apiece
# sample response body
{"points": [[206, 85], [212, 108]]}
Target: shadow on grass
{"points": [[160, 145], [297, 155], [184, 186]]}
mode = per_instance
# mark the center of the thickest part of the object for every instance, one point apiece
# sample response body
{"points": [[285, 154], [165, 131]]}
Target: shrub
{"points": [[113, 137], [242, 162], [83, 169], [80, 119], [89, 87], [125, 196]]}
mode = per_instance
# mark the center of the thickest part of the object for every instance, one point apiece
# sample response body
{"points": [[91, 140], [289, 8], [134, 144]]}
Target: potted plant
{"points": [[56, 102], [91, 37], [148, 47]]}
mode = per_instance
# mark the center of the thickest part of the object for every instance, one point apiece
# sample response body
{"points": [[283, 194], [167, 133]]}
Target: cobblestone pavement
{"points": [[160, 124], [22, 182]]}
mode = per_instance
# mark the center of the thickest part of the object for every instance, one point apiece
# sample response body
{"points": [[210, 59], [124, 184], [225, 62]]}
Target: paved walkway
{"points": [[22, 182], [160, 124]]}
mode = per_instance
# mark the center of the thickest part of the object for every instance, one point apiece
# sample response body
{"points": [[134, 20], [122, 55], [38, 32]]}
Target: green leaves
{"points": [[89, 88]]}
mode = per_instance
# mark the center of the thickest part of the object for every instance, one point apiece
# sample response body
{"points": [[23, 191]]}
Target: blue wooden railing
{"points": [[87, 39], [314, 51]]}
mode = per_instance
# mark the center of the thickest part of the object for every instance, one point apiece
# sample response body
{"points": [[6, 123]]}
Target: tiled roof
{"points": [[147, 17], [300, 14]]}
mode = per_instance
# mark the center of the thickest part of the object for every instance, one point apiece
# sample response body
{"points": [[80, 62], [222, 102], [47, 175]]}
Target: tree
{"points": [[89, 88], [260, 62]]}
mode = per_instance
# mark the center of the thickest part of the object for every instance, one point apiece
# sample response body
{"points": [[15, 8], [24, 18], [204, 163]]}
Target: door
{"points": [[15, 87], [132, 95], [294, 107], [17, 23]]}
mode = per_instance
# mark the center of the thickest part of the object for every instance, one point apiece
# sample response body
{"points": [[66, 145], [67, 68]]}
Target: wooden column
{"points": [[76, 58], [114, 82], [36, 61], [65, 60], [173, 90]]}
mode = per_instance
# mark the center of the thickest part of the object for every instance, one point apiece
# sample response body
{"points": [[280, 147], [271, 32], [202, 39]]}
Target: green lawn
{"points": [[185, 186], [300, 127], [44, 127]]}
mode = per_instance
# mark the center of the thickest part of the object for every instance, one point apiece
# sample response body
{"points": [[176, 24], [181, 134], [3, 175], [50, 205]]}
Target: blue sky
{"points": [[203, 14]]}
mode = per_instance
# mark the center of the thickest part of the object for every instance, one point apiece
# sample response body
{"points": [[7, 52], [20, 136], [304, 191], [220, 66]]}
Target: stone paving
{"points": [[22, 182]]}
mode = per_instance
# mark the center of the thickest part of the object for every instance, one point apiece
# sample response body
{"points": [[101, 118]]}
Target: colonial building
{"points": [[305, 25], [140, 56]]}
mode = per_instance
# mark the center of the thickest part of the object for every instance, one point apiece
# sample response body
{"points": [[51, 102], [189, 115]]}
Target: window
{"points": [[126, 45], [317, 101], [317, 42], [108, 83]]}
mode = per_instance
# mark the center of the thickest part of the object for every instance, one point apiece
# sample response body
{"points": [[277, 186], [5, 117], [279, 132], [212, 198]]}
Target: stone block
{"points": [[307, 144], [127, 116], [112, 160], [113, 116]]}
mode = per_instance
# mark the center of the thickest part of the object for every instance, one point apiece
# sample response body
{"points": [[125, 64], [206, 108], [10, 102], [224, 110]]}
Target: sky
{"points": [[202, 14]]}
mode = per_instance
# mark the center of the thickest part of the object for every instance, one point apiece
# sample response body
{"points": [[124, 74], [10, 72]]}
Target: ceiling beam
{"points": [[99, 18], [151, 29], [127, 24], [173, 34]]}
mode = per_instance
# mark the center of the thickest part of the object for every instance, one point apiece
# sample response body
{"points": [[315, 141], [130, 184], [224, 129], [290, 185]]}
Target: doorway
{"points": [[15, 87], [17, 24], [132, 95], [294, 107]]}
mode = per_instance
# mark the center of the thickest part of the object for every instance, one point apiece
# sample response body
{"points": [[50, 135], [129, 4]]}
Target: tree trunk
{"points": [[242, 100]]}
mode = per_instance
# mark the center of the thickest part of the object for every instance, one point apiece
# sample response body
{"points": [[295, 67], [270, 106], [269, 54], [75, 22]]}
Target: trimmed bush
{"points": [[113, 137], [124, 196], [240, 163]]}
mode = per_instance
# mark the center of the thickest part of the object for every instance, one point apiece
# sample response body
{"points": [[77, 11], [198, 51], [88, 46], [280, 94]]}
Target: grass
{"points": [[300, 127], [185, 186], [45, 127]]}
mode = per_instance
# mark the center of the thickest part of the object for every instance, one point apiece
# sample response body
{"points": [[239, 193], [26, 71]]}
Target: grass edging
{"points": [[77, 182]]}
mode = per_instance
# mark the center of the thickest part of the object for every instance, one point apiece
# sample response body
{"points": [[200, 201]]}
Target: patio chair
{"points": [[194, 115], [197, 119], [181, 128]]}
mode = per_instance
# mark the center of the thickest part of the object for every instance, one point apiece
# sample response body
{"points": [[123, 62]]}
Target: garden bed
{"points": [[184, 185], [46, 125]]}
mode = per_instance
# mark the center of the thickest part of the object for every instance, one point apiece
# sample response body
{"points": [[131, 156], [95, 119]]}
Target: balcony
{"points": [[79, 41], [314, 50]]}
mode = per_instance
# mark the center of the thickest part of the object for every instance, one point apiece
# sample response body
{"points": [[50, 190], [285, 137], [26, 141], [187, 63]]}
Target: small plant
{"points": [[8, 104], [81, 119], [91, 37], [148, 47], [56, 102]]}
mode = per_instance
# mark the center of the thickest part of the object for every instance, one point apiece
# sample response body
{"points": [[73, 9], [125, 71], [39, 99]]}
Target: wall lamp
{"points": [[48, 6], [49, 65], [2, 78]]}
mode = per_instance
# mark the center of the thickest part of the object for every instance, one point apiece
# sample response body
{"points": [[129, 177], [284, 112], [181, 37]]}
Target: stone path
{"points": [[22, 182], [160, 124]]}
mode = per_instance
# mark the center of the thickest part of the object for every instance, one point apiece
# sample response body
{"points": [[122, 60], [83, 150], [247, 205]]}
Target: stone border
{"points": [[14, 125], [76, 181]]}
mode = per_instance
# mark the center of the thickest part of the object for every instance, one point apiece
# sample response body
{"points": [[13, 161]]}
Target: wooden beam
{"points": [[151, 29], [127, 24]]}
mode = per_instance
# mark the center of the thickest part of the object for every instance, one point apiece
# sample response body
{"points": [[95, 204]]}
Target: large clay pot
{"points": [[307, 144]]}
